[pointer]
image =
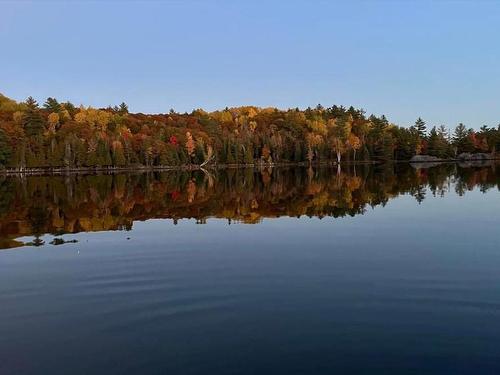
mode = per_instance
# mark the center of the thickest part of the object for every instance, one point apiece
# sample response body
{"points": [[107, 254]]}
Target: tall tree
{"points": [[462, 140], [52, 105], [437, 145], [339, 137], [190, 145], [123, 108], [5, 149], [31, 103], [421, 128], [33, 122]]}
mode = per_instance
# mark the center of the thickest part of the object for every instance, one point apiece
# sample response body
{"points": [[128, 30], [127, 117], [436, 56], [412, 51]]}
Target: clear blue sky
{"points": [[439, 60]]}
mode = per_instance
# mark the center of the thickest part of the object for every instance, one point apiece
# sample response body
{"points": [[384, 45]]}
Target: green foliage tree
{"points": [[421, 128], [52, 105], [5, 149], [437, 144], [462, 140], [33, 123], [123, 108], [31, 103]]}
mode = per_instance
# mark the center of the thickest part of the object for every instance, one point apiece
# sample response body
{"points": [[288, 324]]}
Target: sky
{"points": [[439, 60]]}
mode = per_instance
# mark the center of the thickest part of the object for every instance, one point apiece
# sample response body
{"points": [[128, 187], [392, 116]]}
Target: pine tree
{"points": [[462, 140], [5, 149], [70, 107], [52, 105], [33, 123], [421, 128], [31, 103], [434, 146], [123, 108]]}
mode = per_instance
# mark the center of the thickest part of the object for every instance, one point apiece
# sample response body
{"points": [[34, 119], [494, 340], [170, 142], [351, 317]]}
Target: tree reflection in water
{"points": [[35, 205]]}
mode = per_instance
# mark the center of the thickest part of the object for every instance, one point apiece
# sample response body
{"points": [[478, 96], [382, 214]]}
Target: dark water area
{"points": [[364, 270]]}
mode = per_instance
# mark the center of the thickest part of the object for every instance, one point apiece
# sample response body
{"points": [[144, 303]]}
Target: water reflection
{"points": [[33, 206]]}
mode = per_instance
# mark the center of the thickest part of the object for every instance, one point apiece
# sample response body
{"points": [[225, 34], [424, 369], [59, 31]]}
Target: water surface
{"points": [[368, 270]]}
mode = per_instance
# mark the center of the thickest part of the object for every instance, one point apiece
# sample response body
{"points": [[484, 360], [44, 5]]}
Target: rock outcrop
{"points": [[474, 157], [425, 159]]}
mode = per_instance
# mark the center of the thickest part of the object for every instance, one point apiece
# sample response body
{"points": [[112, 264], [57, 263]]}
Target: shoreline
{"points": [[38, 171], [159, 168]]}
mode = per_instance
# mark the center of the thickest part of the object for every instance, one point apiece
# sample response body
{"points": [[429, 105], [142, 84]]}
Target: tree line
{"points": [[61, 135]]}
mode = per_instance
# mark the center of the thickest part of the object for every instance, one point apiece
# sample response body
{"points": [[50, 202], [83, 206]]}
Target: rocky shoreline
{"points": [[460, 158]]}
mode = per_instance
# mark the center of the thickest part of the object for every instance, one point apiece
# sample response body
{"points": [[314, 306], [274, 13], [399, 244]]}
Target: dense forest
{"points": [[61, 135], [35, 205]]}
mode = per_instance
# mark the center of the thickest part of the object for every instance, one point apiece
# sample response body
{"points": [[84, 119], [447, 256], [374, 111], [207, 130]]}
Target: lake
{"points": [[360, 270]]}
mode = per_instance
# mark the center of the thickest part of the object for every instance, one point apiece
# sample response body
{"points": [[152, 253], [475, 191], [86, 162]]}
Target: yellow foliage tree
{"points": [[53, 121], [354, 143], [17, 117], [190, 144]]}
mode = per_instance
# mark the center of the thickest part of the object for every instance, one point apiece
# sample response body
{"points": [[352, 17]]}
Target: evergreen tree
{"points": [[376, 136], [70, 107], [31, 103], [33, 123], [406, 143], [421, 128], [123, 108], [437, 144], [462, 140], [387, 147], [52, 105], [5, 149]]}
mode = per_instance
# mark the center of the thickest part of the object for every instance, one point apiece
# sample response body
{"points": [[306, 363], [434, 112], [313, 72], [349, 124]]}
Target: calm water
{"points": [[284, 271]]}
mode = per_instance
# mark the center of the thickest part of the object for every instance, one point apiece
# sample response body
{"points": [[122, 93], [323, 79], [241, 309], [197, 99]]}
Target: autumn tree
{"points": [[354, 144], [339, 138], [190, 145], [9, 105], [53, 122]]}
